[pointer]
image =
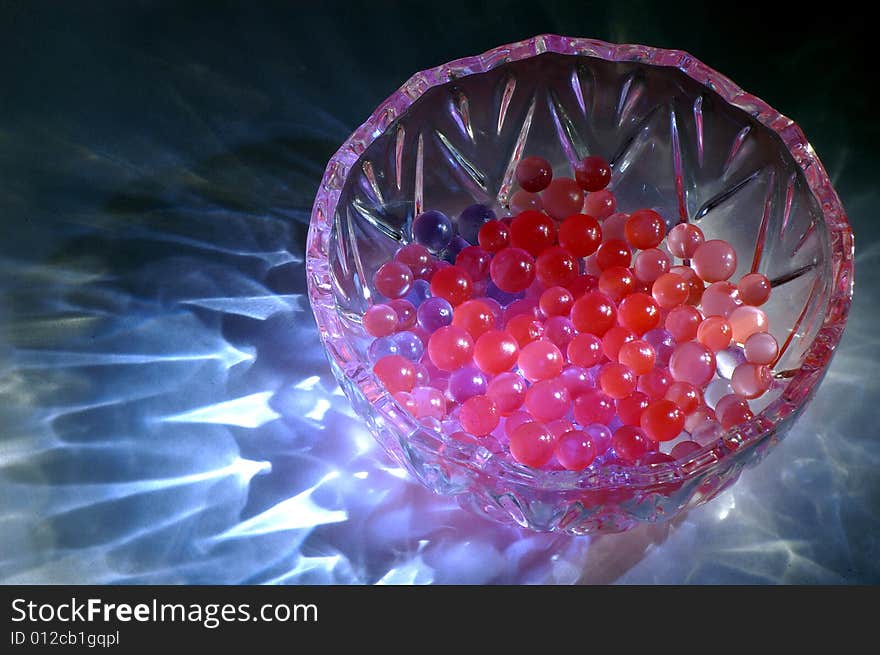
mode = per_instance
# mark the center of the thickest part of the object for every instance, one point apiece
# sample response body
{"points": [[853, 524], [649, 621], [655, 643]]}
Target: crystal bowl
{"points": [[682, 139]]}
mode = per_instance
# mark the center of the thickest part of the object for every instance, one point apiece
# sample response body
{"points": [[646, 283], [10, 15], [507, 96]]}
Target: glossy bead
{"points": [[684, 239], [695, 284], [692, 362], [471, 219], [406, 313], [508, 390], [715, 391], [584, 350], [594, 312], [583, 284], [662, 342], [512, 270], [600, 204], [396, 373], [655, 383], [495, 351], [556, 301], [685, 395], [638, 356], [562, 197], [613, 340], [577, 380], [516, 419], [434, 313], [593, 406], [433, 230], [683, 323], [631, 443], [630, 408], [556, 266], [560, 330], [548, 400], [613, 253], [616, 380], [393, 279], [614, 227], [751, 380], [380, 320], [600, 435], [465, 383], [533, 173], [592, 173], [417, 258], [409, 345], [558, 427], [754, 289], [580, 234], [720, 299], [638, 312], [523, 200], [715, 260], [715, 333], [406, 401], [474, 316], [381, 347], [494, 236], [650, 264], [532, 444], [575, 450], [733, 410], [450, 348], [540, 360], [479, 415], [524, 329], [670, 290], [430, 402], [525, 306], [452, 284], [474, 261], [761, 348], [746, 321], [533, 232], [645, 229], [420, 292], [617, 282], [662, 420], [700, 415], [684, 449]]}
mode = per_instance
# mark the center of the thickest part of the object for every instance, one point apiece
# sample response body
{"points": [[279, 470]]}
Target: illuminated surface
{"points": [[169, 415]]}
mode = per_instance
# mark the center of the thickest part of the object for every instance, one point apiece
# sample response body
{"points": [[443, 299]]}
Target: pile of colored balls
{"points": [[568, 333]]}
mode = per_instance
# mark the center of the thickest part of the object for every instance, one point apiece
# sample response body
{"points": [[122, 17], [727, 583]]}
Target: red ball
{"points": [[512, 270], [592, 173], [639, 356], [450, 347], [593, 406], [524, 329], [474, 316], [396, 373], [655, 383], [562, 197], [685, 395], [613, 252], [617, 380], [683, 323], [629, 409], [580, 234], [645, 229], [617, 282], [638, 312], [594, 312], [670, 290], [540, 360], [393, 279], [532, 444], [495, 351], [614, 339], [631, 443], [663, 420], [479, 415], [556, 301], [575, 450], [418, 259], [452, 284], [584, 350], [494, 236], [556, 266], [533, 231], [474, 261], [533, 174], [582, 284]]}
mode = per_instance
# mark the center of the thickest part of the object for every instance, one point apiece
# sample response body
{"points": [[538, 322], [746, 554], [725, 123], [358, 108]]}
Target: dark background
{"points": [[158, 156]]}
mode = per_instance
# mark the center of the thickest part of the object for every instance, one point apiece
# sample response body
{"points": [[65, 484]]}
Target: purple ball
{"points": [[433, 230], [455, 246], [472, 219], [434, 314], [382, 347], [421, 291], [465, 383], [662, 342], [600, 435], [409, 345], [503, 298]]}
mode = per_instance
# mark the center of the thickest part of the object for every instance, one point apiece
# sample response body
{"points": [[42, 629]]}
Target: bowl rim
{"points": [[802, 383]]}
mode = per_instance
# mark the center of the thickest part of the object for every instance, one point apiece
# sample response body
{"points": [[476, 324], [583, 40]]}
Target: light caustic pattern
{"points": [[169, 417]]}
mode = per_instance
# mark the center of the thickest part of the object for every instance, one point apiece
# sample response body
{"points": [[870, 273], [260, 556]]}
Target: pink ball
{"points": [[720, 299], [523, 201], [714, 260], [380, 320], [540, 360], [761, 348], [692, 362], [512, 422], [430, 402], [508, 390], [651, 264], [548, 400], [751, 380], [532, 444], [393, 279], [575, 450], [683, 323], [614, 227], [684, 239], [600, 204], [754, 289], [479, 415], [746, 321]]}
